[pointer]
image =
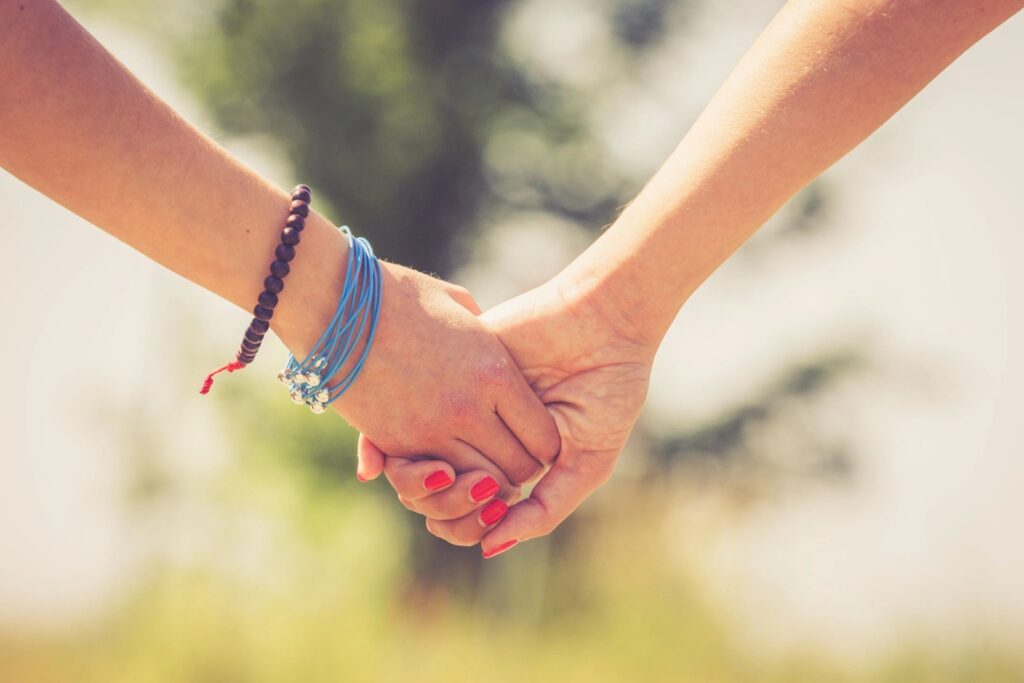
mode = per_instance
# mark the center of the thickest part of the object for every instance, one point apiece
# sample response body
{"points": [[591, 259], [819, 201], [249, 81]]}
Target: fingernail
{"points": [[499, 548], [483, 489], [436, 480], [492, 512], [360, 477]]}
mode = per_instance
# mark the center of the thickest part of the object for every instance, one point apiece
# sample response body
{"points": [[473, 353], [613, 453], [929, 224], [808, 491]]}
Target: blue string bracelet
{"points": [[340, 353]]}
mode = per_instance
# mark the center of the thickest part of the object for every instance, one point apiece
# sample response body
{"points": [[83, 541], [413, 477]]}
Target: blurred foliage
{"points": [[737, 436], [386, 108], [330, 606]]}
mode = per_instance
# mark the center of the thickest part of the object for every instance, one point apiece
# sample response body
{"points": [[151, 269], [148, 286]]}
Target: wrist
{"points": [[314, 286], [603, 312], [623, 290]]}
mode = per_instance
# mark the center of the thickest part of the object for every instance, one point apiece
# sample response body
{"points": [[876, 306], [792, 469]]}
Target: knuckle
{"points": [[548, 525], [550, 446], [433, 529], [467, 538], [446, 533], [460, 407], [494, 371], [392, 466], [545, 524], [440, 513], [523, 471], [545, 521]]}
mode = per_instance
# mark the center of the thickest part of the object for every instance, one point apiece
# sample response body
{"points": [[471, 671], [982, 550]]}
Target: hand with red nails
{"points": [[592, 373], [468, 502], [439, 381]]}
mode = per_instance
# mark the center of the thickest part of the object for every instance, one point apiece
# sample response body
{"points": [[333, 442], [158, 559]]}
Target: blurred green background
{"points": [[452, 134]]}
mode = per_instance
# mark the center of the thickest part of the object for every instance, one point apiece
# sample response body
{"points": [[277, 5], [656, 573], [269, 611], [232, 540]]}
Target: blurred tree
{"points": [[385, 106]]}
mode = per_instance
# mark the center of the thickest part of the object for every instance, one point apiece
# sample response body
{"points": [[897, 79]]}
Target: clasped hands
{"points": [[459, 408]]}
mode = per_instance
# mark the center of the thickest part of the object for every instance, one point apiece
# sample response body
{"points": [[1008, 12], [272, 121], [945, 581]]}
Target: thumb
{"points": [[370, 459], [554, 498]]}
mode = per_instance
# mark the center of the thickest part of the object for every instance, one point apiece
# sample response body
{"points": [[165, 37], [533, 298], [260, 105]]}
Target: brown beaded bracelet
{"points": [[272, 286]]}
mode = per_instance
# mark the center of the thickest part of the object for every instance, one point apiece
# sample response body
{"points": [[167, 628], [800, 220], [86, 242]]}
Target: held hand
{"points": [[438, 381], [591, 372]]}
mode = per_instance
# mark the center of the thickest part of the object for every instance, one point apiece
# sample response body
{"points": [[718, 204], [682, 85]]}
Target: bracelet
{"points": [[272, 286], [310, 381]]}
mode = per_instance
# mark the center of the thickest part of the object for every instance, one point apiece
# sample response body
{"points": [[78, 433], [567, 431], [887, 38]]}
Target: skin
{"points": [[80, 128], [821, 77]]}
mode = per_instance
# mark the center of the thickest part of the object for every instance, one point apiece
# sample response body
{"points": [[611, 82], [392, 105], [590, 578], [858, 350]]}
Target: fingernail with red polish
{"points": [[483, 489], [499, 548], [436, 480], [493, 511]]}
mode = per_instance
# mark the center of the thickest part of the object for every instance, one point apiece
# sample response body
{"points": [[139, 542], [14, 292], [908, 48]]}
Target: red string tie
{"points": [[230, 367]]}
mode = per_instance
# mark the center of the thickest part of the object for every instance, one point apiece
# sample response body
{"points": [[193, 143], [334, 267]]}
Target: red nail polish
{"points": [[483, 489], [436, 480], [499, 548], [493, 511]]}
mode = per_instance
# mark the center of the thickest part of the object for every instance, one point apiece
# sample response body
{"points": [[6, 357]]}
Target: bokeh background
{"points": [[825, 485]]}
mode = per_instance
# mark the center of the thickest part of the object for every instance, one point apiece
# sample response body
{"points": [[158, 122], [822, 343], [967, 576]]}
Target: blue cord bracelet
{"points": [[312, 381]]}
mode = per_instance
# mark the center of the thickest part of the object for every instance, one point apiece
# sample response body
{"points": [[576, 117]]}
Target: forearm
{"points": [[820, 78], [80, 128]]}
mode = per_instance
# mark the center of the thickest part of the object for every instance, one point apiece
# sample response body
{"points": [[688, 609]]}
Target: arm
{"points": [[77, 126], [821, 77]]}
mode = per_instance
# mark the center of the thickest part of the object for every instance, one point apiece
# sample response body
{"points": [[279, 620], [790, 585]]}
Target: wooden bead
{"points": [[273, 284], [279, 269], [267, 299], [298, 210], [284, 252]]}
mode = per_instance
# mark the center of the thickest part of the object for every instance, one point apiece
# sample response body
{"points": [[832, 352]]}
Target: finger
{"points": [[529, 420], [465, 458], [369, 459], [554, 498], [462, 296], [470, 492], [415, 479], [469, 529], [494, 439]]}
